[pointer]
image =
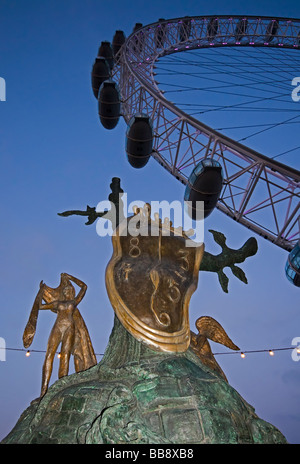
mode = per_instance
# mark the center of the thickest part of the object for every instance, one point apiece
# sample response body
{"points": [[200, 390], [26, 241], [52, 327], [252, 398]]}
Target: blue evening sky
{"points": [[55, 156]]}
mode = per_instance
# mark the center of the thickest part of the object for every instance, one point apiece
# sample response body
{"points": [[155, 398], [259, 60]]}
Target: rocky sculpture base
{"points": [[137, 396]]}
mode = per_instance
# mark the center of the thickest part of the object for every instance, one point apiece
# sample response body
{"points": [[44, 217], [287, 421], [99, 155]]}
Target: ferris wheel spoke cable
{"points": [[247, 109], [286, 152], [264, 63], [181, 88], [268, 128], [192, 89], [253, 125], [276, 65], [186, 88], [170, 60], [242, 104], [271, 83], [233, 71], [225, 84]]}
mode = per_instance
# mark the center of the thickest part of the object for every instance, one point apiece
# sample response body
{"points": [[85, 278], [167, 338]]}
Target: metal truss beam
{"points": [[260, 193]]}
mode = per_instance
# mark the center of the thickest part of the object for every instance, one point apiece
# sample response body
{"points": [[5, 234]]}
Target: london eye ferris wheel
{"points": [[237, 53]]}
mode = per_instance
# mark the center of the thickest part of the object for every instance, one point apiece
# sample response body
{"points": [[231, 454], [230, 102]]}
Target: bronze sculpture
{"points": [[151, 277], [150, 280], [209, 328], [158, 381], [69, 328]]}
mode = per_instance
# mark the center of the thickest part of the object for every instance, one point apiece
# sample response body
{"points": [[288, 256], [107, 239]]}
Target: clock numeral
{"points": [[124, 271], [173, 291], [184, 262], [134, 249]]}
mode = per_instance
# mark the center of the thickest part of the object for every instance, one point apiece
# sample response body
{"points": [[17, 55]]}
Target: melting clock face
{"points": [[150, 279]]}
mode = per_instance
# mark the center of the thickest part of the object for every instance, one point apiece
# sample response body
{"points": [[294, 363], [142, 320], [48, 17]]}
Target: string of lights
{"points": [[243, 354], [28, 352], [270, 351]]}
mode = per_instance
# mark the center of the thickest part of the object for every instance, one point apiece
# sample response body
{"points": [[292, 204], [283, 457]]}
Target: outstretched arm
{"points": [[82, 285], [114, 198], [228, 258], [52, 305]]}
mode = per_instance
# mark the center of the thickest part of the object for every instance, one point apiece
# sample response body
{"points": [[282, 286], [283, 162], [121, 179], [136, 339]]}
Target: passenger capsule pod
{"points": [[118, 41], [137, 27], [292, 267], [159, 35], [100, 73], [138, 39], [241, 29], [204, 184], [139, 140], [212, 28], [109, 104], [105, 50], [184, 29], [271, 30]]}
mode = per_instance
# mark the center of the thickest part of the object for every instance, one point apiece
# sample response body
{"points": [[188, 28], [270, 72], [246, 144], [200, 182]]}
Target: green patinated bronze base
{"points": [[136, 395]]}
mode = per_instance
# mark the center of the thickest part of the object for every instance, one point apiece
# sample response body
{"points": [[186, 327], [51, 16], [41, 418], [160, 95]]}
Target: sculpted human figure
{"points": [[69, 329]]}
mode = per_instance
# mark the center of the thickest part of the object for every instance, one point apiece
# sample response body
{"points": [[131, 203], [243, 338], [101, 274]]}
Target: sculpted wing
{"points": [[210, 328]]}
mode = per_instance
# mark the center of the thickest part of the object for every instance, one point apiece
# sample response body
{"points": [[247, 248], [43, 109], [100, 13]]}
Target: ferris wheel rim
{"points": [[292, 175], [198, 124]]}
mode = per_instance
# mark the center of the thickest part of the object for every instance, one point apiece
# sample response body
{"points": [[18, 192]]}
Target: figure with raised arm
{"points": [[69, 329]]}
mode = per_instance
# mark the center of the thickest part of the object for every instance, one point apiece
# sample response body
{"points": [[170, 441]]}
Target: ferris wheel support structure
{"points": [[258, 192]]}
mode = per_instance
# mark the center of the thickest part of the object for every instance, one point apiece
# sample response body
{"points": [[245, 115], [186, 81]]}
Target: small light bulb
{"points": [[271, 352], [59, 355], [298, 350], [27, 353], [243, 355]]}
